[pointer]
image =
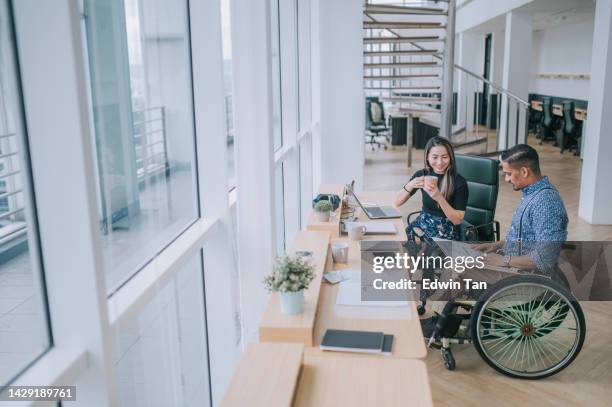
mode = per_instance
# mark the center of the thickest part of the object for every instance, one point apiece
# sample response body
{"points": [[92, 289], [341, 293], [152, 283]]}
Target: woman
{"points": [[444, 201]]}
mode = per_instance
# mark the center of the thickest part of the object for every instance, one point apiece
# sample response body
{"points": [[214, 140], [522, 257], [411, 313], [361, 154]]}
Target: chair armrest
{"points": [[411, 215], [464, 227]]}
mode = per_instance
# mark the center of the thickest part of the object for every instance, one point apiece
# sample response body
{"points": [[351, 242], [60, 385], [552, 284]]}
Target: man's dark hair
{"points": [[522, 155]]}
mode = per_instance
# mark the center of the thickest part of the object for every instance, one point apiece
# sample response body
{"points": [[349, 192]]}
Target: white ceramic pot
{"points": [[292, 302], [322, 216]]}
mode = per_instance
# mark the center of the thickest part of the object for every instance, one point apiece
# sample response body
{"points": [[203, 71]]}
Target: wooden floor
{"points": [[588, 380]]}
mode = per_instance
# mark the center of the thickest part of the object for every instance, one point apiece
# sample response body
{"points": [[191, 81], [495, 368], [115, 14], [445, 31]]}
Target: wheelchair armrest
{"points": [[465, 227]]}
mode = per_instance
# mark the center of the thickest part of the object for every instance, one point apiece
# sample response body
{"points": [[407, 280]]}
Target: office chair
{"points": [[376, 125], [548, 124], [482, 176], [479, 224], [571, 130]]}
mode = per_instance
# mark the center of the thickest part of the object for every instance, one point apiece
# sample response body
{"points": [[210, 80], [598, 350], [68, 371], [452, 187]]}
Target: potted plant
{"points": [[322, 210], [290, 276]]}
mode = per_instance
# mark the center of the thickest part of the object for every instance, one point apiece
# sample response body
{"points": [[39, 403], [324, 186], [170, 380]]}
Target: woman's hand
{"points": [[433, 191], [406, 192], [416, 183]]}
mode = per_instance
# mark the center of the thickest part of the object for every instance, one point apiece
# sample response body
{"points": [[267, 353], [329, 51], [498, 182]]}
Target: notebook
{"points": [[353, 341], [387, 345]]}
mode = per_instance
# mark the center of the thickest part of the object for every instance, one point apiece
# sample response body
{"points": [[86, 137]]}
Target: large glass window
{"points": [[24, 333], [228, 89], [139, 56], [276, 74], [279, 203], [160, 356]]}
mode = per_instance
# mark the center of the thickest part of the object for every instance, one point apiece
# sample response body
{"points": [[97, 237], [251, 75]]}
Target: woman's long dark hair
{"points": [[448, 181]]}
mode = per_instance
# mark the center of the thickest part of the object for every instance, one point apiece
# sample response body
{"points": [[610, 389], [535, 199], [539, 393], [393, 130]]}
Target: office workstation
{"points": [[336, 377]]}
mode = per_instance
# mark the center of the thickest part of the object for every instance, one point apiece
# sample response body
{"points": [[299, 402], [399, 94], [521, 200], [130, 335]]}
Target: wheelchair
{"points": [[526, 326]]}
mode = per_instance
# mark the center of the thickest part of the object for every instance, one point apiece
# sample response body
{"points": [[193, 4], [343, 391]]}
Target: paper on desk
{"points": [[349, 293], [375, 227]]}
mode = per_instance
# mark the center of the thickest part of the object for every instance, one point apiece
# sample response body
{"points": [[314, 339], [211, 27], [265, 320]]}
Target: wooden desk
{"points": [[266, 376], [408, 339], [356, 382], [278, 327], [320, 312], [280, 375], [333, 226], [580, 114]]}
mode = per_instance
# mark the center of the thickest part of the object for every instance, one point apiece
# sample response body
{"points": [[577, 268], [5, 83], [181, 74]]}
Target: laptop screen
{"points": [[350, 190]]}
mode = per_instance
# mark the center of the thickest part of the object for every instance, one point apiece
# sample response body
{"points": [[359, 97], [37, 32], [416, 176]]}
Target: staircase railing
{"points": [[489, 112]]}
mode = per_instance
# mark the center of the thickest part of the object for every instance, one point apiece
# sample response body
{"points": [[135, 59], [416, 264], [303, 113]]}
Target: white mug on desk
{"points": [[356, 232]]}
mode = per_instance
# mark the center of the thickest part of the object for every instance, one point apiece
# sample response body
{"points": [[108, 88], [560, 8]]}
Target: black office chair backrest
{"points": [[568, 116], [368, 110], [377, 113], [482, 176], [547, 117]]}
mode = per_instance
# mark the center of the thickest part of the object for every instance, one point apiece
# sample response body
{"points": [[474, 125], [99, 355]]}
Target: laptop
{"points": [[376, 212]]}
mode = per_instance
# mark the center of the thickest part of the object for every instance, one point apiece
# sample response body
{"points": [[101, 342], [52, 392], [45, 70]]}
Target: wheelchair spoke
{"points": [[528, 329]]}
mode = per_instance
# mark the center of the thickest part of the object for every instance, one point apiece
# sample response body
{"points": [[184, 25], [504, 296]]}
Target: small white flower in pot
{"points": [[290, 276], [323, 209]]}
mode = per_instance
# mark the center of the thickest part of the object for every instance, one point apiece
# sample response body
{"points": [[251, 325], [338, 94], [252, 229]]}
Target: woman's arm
{"points": [[407, 191], [454, 215]]}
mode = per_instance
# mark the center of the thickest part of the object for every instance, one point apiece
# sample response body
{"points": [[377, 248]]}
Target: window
{"points": [[139, 57], [279, 204], [160, 356], [228, 89], [24, 332], [276, 74]]}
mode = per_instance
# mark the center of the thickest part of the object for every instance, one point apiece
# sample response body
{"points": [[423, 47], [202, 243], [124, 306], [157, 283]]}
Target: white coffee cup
{"points": [[431, 180], [340, 252], [356, 232]]}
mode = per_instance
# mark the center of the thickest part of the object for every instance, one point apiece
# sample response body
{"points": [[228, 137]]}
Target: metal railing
{"points": [[11, 192], [150, 143], [489, 113], [510, 120], [12, 201]]}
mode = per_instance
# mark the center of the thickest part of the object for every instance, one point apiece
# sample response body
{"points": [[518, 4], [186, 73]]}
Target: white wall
{"points": [[562, 49], [471, 13], [342, 111]]}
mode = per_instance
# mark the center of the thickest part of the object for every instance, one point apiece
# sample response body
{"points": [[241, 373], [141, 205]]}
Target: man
{"points": [[539, 224]]}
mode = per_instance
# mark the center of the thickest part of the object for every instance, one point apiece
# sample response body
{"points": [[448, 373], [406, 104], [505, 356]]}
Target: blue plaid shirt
{"points": [[544, 228]]}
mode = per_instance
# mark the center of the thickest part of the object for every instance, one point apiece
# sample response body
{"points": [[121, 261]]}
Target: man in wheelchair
{"points": [[525, 324]]}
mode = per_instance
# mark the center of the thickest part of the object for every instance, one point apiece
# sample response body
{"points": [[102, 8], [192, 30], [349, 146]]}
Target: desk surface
{"points": [[408, 339], [579, 114], [280, 375], [278, 327], [267, 375], [359, 382]]}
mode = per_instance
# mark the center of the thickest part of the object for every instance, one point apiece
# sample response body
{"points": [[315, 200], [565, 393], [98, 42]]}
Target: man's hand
{"points": [[486, 247], [493, 259]]}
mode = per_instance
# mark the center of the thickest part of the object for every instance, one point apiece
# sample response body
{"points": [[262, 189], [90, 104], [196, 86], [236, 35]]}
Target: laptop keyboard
{"points": [[376, 212]]}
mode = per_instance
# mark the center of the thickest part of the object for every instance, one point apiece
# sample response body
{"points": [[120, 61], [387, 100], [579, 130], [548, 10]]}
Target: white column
{"points": [[468, 44], [211, 149], [517, 60], [595, 191], [342, 101], [253, 124], [497, 56], [56, 103]]}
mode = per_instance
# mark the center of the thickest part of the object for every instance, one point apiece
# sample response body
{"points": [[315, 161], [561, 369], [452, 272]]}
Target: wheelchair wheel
{"points": [[528, 327]]}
